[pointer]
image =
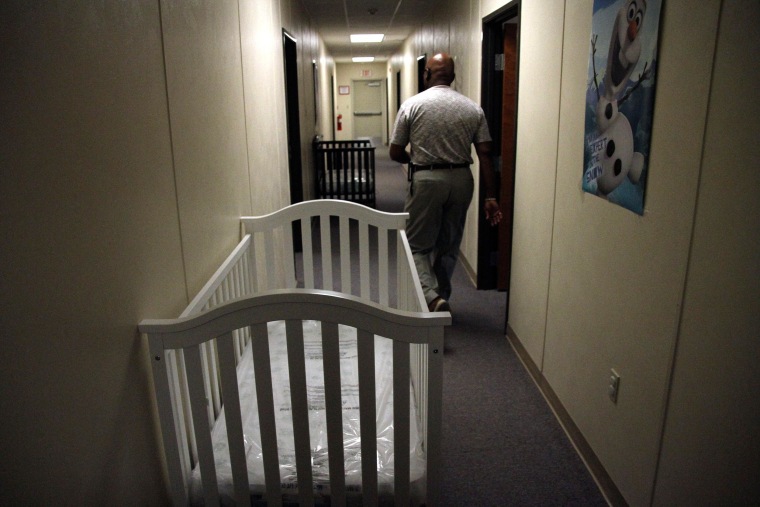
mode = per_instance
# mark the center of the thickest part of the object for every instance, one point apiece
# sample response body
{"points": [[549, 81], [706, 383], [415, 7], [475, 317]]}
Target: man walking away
{"points": [[440, 125]]}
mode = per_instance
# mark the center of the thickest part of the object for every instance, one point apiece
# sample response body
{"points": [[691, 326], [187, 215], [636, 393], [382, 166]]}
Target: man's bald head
{"points": [[440, 70]]}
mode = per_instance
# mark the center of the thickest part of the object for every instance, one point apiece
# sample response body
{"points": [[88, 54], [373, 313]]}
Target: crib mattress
{"points": [[317, 422], [338, 182]]}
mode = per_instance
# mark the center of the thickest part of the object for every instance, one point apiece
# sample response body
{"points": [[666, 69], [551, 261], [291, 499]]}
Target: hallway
{"points": [[138, 133]]}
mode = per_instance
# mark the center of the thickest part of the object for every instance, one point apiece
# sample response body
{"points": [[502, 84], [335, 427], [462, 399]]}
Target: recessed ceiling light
{"points": [[367, 37], [363, 59]]}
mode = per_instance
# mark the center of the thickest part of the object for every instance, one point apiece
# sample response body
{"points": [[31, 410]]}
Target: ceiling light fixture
{"points": [[367, 37], [363, 59]]}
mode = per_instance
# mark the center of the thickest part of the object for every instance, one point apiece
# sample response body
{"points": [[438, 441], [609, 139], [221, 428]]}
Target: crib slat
{"points": [[263, 376], [401, 422], [364, 259], [345, 256], [288, 259], [367, 415], [182, 418], [434, 415], [269, 261], [201, 424], [382, 260], [308, 258], [173, 447], [253, 267], [180, 385], [233, 417], [327, 276], [245, 263], [237, 284], [401, 272], [419, 358], [211, 383], [333, 413], [224, 290], [300, 410]]}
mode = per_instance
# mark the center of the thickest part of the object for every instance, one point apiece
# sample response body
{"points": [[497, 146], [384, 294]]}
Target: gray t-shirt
{"points": [[441, 125]]}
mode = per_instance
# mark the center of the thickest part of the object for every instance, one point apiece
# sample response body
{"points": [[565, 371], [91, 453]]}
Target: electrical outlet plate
{"points": [[614, 385]]}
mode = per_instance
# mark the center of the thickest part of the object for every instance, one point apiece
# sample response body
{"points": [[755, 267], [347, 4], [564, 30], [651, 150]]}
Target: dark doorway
{"points": [[398, 90], [293, 117], [421, 64], [292, 114], [499, 100]]}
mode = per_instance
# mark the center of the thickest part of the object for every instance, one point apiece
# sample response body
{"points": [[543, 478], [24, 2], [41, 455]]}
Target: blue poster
{"points": [[622, 70]]}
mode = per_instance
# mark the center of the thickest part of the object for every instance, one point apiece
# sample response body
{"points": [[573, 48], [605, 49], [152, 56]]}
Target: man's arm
{"points": [[488, 181], [399, 154], [487, 178]]}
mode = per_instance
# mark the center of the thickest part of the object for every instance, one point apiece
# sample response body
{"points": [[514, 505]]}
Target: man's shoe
{"points": [[439, 305]]}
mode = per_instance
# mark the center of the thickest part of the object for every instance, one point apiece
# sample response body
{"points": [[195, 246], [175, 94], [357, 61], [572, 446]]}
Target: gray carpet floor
{"points": [[502, 444]]}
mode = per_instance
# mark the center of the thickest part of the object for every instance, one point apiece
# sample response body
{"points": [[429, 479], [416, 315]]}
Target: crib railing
{"points": [[345, 267], [265, 259], [186, 337], [346, 170], [272, 246]]}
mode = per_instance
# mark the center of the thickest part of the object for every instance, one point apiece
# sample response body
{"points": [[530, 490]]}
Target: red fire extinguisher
{"points": [[340, 122]]}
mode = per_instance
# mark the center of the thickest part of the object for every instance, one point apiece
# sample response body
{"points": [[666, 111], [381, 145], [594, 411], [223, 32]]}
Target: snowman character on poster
{"points": [[620, 99]]}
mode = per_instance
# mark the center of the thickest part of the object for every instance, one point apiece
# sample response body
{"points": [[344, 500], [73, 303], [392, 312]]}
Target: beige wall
{"points": [[536, 159], [134, 136], [616, 279], [208, 129], [711, 450], [326, 66], [263, 78], [596, 287]]}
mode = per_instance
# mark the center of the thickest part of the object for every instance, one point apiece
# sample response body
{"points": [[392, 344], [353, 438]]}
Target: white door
{"points": [[369, 109]]}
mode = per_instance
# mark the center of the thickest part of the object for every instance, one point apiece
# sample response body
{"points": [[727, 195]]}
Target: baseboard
{"points": [[468, 269], [604, 481]]}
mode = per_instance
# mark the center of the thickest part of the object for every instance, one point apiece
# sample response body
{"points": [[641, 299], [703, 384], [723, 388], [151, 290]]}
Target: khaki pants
{"points": [[437, 203]]}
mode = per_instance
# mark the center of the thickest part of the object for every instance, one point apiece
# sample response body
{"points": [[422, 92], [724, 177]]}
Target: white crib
{"points": [[241, 404]]}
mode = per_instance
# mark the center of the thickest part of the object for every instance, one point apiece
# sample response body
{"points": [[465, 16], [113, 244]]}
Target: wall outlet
{"points": [[614, 386]]}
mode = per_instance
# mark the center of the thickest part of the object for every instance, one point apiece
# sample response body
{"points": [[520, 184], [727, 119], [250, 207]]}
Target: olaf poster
{"points": [[622, 70]]}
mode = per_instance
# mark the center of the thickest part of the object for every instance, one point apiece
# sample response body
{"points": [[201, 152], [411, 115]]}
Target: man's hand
{"points": [[492, 211]]}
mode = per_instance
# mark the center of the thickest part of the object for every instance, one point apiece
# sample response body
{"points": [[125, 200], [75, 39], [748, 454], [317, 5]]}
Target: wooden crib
{"points": [[355, 285], [345, 170]]}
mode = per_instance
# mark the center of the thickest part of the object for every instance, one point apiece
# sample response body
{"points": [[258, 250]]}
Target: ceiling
{"points": [[335, 20]]}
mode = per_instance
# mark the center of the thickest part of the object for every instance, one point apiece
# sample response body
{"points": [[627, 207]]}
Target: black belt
{"points": [[413, 168], [416, 167]]}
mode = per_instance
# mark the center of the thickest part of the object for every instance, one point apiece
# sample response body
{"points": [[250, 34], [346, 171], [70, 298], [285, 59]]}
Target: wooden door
{"points": [[508, 141]]}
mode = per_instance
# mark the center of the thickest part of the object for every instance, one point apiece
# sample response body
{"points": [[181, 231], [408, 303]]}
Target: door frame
{"points": [[492, 102], [421, 64]]}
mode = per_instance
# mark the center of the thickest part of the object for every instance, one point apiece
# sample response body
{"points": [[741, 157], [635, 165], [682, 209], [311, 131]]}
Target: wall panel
{"points": [[711, 451], [91, 245], [617, 278], [264, 89], [538, 112], [207, 115]]}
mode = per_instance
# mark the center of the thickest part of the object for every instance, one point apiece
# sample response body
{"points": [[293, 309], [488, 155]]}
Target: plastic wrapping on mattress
{"points": [[337, 182], [317, 422]]}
